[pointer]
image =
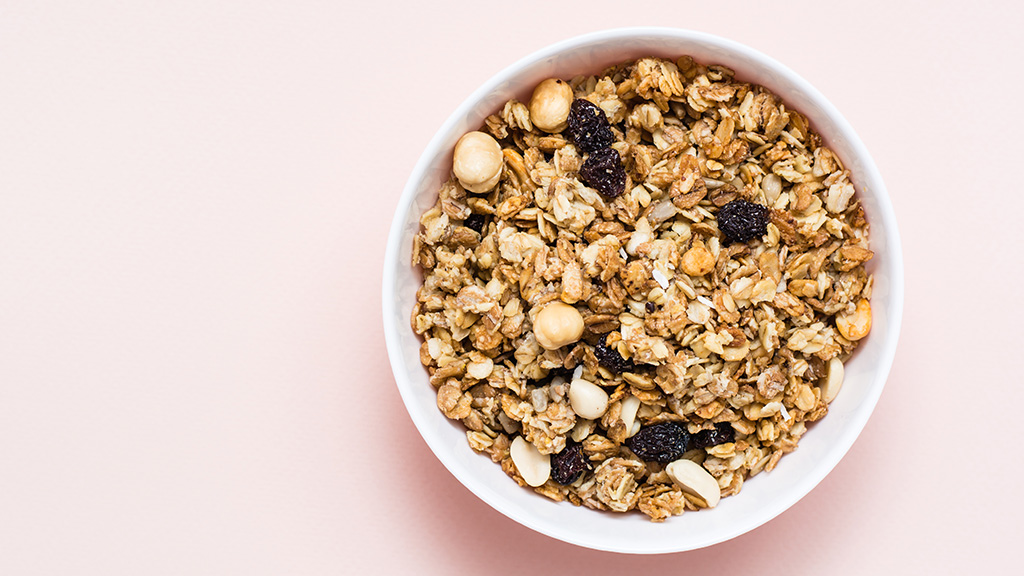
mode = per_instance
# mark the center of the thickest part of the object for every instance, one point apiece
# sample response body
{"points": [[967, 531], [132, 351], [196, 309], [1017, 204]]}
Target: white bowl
{"points": [[764, 496]]}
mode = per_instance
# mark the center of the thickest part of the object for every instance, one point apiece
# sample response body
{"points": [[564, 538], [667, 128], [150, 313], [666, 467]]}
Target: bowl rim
{"points": [[880, 194]]}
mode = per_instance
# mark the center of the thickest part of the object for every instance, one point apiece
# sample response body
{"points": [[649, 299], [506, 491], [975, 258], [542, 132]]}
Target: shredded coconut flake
{"points": [[704, 300], [785, 413], [660, 278], [622, 252], [578, 372]]}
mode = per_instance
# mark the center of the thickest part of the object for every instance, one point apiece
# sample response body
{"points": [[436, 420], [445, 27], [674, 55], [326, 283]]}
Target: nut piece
{"points": [[587, 399], [477, 161], [630, 405], [549, 105], [698, 261], [693, 478], [534, 467], [831, 384], [855, 325], [556, 325]]}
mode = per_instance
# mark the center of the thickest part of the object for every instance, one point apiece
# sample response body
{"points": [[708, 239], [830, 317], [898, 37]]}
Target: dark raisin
{"points": [[720, 434], [611, 359], [603, 171], [476, 222], [663, 442], [650, 307], [740, 221], [588, 126], [569, 464]]}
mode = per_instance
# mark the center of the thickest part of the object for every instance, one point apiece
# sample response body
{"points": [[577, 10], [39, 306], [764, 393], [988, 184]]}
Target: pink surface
{"points": [[193, 208]]}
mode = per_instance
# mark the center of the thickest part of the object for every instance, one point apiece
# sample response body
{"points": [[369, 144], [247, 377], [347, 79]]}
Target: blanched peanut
{"points": [[693, 478], [588, 400], [477, 161], [534, 467], [698, 260], [832, 382], [556, 325], [857, 324], [549, 105]]}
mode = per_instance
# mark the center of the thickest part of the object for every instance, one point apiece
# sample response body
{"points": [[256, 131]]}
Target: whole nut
{"points": [[630, 405], [549, 105], [855, 325], [587, 399], [534, 467], [477, 161], [833, 381], [694, 479], [698, 260], [556, 325]]}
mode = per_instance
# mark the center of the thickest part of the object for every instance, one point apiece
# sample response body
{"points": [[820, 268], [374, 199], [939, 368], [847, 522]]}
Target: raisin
{"points": [[720, 434], [588, 126], [650, 307], [569, 464], [663, 442], [611, 359], [740, 221], [603, 171], [476, 222]]}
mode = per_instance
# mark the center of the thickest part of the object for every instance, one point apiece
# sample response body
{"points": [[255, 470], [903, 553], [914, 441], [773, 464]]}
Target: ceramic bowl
{"points": [[764, 496]]}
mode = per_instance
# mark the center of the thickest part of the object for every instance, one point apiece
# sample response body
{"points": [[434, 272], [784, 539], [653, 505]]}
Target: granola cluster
{"points": [[741, 341]]}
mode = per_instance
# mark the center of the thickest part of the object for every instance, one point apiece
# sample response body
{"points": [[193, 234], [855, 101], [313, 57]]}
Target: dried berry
{"points": [[588, 126], [603, 171], [569, 464], [650, 307], [740, 221], [663, 442], [720, 434], [476, 222], [611, 359]]}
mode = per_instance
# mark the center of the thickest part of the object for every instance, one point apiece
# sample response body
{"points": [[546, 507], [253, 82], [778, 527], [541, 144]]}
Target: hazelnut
{"points": [[556, 325], [698, 260], [549, 105], [477, 161]]}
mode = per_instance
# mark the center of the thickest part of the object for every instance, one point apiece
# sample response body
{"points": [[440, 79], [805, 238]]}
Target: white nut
{"points": [[549, 105], [630, 406], [477, 161], [833, 381], [587, 399], [534, 467], [557, 324], [694, 479]]}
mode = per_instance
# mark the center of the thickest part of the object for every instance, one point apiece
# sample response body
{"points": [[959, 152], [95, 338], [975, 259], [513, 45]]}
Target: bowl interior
{"points": [[764, 496]]}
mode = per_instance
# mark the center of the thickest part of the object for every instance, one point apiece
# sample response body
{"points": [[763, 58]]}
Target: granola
{"points": [[663, 316]]}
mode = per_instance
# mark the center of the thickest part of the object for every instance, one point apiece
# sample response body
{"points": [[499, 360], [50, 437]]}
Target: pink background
{"points": [[194, 202]]}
